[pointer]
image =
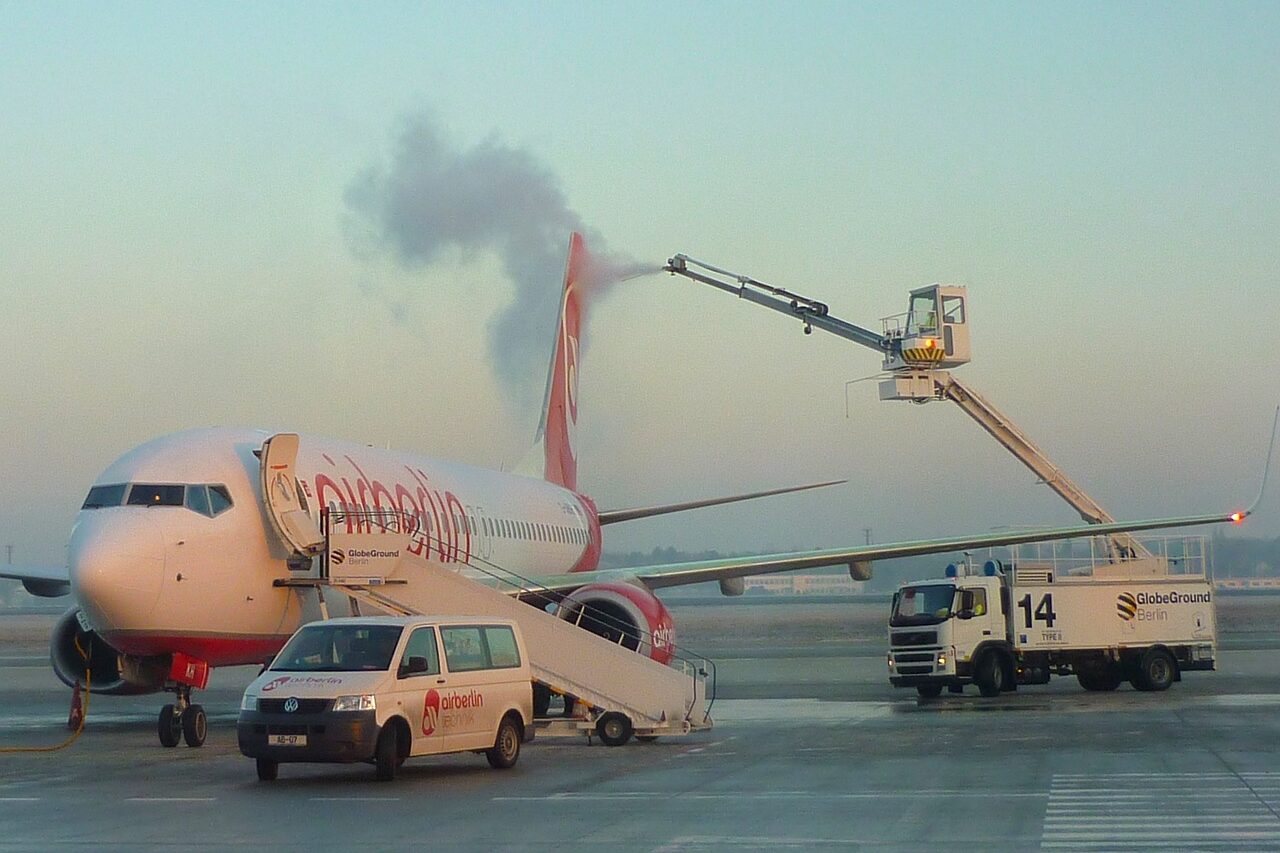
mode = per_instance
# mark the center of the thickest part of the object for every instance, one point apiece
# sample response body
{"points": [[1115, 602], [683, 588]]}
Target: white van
{"points": [[385, 688]]}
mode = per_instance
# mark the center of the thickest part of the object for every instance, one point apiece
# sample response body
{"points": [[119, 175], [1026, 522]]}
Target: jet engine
{"points": [[628, 615], [111, 672]]}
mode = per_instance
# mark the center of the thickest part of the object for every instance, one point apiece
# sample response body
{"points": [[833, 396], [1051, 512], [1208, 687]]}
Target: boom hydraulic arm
{"points": [[931, 335]]}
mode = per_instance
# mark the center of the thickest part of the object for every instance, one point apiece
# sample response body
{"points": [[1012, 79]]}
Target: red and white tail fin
{"points": [[559, 424]]}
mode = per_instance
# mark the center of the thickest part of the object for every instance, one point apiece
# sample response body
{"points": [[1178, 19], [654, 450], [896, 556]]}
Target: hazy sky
{"points": [[180, 246]]}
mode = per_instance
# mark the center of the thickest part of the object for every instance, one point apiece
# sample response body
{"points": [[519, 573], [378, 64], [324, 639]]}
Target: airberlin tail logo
{"points": [[1126, 606]]}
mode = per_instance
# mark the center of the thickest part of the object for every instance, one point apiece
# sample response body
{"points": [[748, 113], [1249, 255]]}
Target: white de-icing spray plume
{"points": [[435, 196]]}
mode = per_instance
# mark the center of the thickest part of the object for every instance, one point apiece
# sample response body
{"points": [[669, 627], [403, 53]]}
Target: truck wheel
{"points": [[1100, 680], [506, 747], [386, 755], [614, 729], [1157, 670], [929, 691], [990, 674], [268, 770]]}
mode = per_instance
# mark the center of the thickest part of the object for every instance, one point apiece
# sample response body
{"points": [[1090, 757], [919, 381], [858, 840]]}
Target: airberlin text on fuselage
{"points": [[448, 530]]}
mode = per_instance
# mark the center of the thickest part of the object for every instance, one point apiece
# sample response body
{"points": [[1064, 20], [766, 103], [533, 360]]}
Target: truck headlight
{"points": [[889, 660], [364, 702], [249, 702], [942, 659]]}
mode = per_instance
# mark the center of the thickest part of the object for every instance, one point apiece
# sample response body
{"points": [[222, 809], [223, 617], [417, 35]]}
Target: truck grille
{"points": [[305, 706], [913, 657], [915, 638]]}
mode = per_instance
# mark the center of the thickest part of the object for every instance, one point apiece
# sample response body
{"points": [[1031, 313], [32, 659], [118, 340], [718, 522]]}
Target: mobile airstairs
{"points": [[617, 690]]}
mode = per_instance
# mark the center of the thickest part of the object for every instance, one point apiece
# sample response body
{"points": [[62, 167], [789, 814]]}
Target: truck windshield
{"points": [[339, 648], [922, 605]]}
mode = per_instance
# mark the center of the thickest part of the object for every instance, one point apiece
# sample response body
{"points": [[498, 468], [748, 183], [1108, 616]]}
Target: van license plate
{"points": [[286, 740]]}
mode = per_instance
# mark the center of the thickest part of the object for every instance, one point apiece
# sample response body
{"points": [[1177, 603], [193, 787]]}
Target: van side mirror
{"points": [[414, 666]]}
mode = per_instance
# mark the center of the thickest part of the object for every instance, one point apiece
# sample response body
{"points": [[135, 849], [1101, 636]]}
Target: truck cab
{"points": [[939, 629]]}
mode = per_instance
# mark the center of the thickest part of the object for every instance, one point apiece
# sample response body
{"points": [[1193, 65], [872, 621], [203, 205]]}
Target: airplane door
{"points": [[280, 492]]}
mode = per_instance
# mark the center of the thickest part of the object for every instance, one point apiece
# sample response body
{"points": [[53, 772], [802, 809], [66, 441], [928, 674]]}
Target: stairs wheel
{"points": [[614, 728]]}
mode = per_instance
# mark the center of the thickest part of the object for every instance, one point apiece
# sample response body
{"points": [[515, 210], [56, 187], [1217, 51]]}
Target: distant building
{"points": [[803, 584]]}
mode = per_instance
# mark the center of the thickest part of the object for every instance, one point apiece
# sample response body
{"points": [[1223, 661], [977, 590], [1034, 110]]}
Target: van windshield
{"points": [[339, 648], [922, 605]]}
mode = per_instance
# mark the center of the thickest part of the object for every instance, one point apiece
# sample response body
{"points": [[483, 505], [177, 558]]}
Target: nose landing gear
{"points": [[182, 721]]}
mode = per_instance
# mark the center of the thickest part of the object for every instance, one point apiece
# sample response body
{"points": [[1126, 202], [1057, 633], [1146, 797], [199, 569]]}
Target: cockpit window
{"points": [[198, 499], [146, 494], [206, 500], [100, 496], [219, 499]]}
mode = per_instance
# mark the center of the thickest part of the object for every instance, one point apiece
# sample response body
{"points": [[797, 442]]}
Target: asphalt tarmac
{"points": [[812, 750]]}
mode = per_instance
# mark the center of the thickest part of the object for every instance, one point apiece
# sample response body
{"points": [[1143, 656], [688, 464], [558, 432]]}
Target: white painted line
{"points": [[19, 799], [171, 799], [565, 797], [354, 799]]}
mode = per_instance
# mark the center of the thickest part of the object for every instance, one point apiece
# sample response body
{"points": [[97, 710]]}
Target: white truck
{"points": [[998, 627]]}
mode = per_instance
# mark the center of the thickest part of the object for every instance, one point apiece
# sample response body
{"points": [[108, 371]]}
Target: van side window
{"points": [[422, 644], [502, 646], [464, 648]]}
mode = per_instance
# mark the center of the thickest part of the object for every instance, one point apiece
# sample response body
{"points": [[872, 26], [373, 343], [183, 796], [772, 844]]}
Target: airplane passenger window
{"points": [[147, 494], [198, 500], [100, 496], [219, 499]]}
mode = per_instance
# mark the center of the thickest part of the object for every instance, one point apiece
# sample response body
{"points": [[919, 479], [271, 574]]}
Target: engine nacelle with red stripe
{"points": [[628, 615]]}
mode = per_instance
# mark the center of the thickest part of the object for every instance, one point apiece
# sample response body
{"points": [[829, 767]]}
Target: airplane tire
{"points": [[268, 770], [169, 727], [195, 725], [614, 729], [541, 699]]}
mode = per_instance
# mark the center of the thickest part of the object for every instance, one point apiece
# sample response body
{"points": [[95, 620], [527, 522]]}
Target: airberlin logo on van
{"points": [[436, 708]]}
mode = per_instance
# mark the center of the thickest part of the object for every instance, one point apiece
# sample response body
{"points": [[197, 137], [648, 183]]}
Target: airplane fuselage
{"points": [[169, 570]]}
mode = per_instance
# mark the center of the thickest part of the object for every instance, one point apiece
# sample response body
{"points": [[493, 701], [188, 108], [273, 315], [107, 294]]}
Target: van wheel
{"points": [[929, 691], [506, 747], [268, 770], [990, 674], [1157, 670], [386, 755], [614, 729]]}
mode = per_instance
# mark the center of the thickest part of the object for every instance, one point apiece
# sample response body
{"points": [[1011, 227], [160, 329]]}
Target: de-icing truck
{"points": [[1000, 626]]}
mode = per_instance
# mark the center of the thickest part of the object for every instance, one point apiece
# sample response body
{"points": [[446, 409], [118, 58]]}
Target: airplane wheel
{"points": [[541, 700], [169, 726], [614, 729], [195, 725], [268, 770]]}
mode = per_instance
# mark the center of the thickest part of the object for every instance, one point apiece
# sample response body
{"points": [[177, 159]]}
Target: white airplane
{"points": [[174, 553]]}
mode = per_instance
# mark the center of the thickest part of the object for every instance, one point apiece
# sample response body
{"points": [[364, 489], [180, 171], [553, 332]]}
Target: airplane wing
{"points": [[615, 515], [679, 574], [44, 581]]}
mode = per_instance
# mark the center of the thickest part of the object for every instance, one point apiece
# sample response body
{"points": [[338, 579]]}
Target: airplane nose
{"points": [[116, 562]]}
